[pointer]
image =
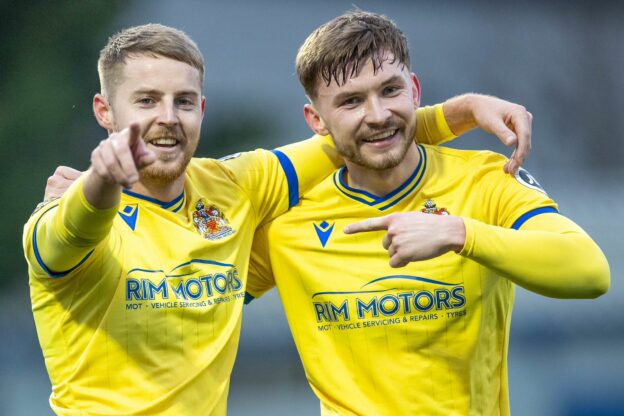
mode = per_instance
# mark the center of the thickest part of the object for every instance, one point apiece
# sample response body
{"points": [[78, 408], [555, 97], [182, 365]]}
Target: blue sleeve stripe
{"points": [[42, 264], [248, 298], [291, 178], [528, 215]]}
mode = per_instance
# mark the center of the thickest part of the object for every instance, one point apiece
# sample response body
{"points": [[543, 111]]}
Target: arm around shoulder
{"points": [[312, 160]]}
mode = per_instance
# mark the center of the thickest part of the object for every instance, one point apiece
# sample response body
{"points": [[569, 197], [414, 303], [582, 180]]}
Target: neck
{"points": [[381, 182], [164, 192]]}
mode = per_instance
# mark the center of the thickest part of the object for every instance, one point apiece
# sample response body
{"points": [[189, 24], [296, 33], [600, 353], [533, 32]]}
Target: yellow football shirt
{"points": [[426, 339], [146, 320]]}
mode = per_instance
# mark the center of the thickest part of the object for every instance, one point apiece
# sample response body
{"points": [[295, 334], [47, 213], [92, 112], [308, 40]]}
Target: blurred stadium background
{"points": [[563, 60]]}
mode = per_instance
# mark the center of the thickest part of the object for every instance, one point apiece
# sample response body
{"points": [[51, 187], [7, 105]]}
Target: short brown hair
{"points": [[338, 49], [152, 40]]}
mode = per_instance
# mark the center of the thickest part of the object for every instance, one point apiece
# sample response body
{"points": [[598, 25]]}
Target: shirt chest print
{"points": [[210, 222]]}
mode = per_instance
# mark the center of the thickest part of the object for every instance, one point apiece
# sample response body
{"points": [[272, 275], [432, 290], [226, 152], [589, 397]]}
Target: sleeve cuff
{"points": [[468, 248], [445, 131], [82, 219]]}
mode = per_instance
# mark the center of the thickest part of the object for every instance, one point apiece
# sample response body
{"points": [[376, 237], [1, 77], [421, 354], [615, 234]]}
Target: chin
{"points": [[162, 173], [383, 164], [384, 161]]}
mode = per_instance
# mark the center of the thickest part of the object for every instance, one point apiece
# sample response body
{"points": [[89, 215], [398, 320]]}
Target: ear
{"points": [[103, 112], [314, 120], [415, 89], [203, 105]]}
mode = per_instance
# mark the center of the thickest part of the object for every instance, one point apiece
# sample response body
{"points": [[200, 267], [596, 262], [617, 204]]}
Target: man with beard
{"points": [[137, 273], [431, 337]]}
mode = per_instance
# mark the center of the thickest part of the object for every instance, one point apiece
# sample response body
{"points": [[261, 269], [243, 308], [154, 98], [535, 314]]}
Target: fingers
{"points": [[397, 261], [142, 155], [369, 224], [387, 242], [122, 162], [521, 122], [503, 132], [500, 128], [113, 159], [134, 133], [57, 184], [67, 172]]}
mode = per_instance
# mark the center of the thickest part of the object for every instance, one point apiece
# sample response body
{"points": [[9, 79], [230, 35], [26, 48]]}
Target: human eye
{"points": [[185, 102], [391, 90], [350, 102], [145, 101]]}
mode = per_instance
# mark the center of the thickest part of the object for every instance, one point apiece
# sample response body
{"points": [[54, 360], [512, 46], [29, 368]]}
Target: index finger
{"points": [[134, 133], [369, 224]]}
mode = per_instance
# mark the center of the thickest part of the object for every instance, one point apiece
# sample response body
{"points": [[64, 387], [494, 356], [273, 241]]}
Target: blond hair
{"points": [[152, 40], [338, 49]]}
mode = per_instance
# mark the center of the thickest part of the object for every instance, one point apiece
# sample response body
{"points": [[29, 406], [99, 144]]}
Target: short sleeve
{"points": [[275, 180], [431, 126], [509, 199]]}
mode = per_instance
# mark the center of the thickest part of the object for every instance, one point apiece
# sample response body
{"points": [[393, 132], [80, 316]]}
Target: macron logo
{"points": [[129, 214], [324, 230]]}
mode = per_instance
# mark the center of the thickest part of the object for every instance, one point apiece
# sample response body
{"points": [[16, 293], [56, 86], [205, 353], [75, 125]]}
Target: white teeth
{"points": [[164, 141], [380, 136]]}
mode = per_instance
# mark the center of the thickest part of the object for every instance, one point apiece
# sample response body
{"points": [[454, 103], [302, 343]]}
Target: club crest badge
{"points": [[210, 222], [431, 208]]}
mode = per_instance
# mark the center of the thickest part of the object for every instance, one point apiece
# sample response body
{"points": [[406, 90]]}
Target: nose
{"points": [[168, 114], [376, 112]]}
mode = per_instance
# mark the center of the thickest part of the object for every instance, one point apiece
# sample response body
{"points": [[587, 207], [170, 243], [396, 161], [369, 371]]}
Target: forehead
{"points": [[160, 73], [367, 78]]}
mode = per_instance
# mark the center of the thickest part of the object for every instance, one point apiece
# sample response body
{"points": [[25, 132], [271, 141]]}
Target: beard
{"points": [[163, 173], [166, 169], [351, 150]]}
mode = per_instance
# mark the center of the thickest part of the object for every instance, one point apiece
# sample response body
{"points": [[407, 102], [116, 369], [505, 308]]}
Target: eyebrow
{"points": [[347, 94], [147, 91], [393, 79], [158, 93]]}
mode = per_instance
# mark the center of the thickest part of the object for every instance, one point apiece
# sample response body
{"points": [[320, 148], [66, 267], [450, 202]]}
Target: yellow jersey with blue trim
{"points": [[138, 307], [430, 338], [147, 319]]}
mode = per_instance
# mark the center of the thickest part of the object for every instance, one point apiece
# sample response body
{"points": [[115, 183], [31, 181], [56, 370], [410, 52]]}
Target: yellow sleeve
{"points": [[308, 162], [260, 278], [549, 255], [431, 126], [61, 236]]}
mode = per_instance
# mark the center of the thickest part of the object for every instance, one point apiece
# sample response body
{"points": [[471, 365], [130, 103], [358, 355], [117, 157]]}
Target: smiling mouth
{"points": [[164, 142], [380, 136]]}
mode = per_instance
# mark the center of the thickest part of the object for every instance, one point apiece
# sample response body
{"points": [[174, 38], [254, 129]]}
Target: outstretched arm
{"points": [[60, 238], [549, 255]]}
